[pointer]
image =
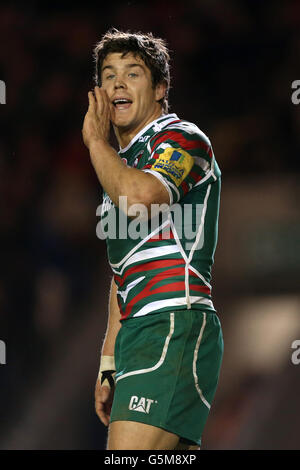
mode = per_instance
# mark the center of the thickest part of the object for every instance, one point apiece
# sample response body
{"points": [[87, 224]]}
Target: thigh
{"points": [[129, 435]]}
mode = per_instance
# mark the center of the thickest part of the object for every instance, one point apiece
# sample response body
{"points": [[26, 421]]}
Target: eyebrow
{"points": [[111, 67]]}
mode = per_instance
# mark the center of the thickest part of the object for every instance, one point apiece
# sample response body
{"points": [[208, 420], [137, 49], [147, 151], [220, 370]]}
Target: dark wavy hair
{"points": [[153, 51]]}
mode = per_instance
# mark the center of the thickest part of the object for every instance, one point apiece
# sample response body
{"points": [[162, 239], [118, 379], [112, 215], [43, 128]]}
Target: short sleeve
{"points": [[182, 158]]}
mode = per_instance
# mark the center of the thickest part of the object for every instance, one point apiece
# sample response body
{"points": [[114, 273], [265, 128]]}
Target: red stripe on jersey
{"points": [[184, 186], [203, 289], [150, 266], [172, 286], [195, 176], [162, 236], [147, 292], [117, 279], [155, 156], [173, 122], [191, 273], [182, 141]]}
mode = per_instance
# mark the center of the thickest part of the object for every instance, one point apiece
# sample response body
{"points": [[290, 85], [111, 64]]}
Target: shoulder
{"points": [[180, 134]]}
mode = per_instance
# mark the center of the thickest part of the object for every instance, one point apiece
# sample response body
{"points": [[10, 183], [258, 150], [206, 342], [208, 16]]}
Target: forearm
{"points": [[117, 179], [113, 324]]}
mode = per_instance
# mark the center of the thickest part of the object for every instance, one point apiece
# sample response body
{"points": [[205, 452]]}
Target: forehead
{"points": [[118, 59]]}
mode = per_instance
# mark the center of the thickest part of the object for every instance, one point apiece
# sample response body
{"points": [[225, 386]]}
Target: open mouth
{"points": [[122, 103]]}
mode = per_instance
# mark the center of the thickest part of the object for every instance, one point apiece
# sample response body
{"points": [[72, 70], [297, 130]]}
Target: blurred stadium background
{"points": [[232, 69]]}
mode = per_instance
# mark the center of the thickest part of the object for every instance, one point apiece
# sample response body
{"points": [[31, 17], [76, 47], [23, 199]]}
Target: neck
{"points": [[125, 135]]}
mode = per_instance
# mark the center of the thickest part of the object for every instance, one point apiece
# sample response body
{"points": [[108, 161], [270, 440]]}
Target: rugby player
{"points": [[163, 347]]}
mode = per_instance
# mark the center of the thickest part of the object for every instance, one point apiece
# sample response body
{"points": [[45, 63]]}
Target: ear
{"points": [[160, 91]]}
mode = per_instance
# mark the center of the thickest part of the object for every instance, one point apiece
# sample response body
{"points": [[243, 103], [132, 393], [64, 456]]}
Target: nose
{"points": [[119, 83]]}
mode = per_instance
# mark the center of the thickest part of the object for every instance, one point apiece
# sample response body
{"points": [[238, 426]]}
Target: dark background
{"points": [[233, 64]]}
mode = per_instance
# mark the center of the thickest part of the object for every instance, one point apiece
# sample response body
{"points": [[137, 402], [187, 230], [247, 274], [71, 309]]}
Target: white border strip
{"points": [[186, 269], [136, 247], [200, 276], [208, 175], [201, 226], [162, 358], [147, 254], [175, 302], [195, 362], [170, 117]]}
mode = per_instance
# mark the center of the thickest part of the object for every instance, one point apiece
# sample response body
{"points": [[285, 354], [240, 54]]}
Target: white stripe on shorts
{"points": [[162, 357], [195, 362]]}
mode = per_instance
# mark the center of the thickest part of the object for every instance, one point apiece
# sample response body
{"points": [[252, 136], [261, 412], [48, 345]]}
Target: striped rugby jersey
{"points": [[165, 261]]}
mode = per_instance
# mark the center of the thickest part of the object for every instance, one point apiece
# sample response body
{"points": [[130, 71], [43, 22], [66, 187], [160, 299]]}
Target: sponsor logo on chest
{"points": [[144, 138]]}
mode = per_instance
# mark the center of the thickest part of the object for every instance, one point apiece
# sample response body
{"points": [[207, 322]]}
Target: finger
{"points": [[102, 106], [107, 105], [92, 102], [99, 98], [101, 406], [102, 414], [104, 96]]}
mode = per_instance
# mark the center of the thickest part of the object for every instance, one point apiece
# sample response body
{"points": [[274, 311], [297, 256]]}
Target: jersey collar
{"points": [[157, 125]]}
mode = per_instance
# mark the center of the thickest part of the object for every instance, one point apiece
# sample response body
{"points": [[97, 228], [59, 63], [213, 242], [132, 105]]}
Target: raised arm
{"points": [[116, 178]]}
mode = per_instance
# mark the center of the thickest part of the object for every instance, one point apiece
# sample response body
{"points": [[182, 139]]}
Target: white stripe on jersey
{"points": [[201, 226], [204, 164], [200, 276], [208, 175], [180, 301], [173, 186], [147, 254], [190, 128], [135, 248], [186, 270], [131, 285], [172, 117]]}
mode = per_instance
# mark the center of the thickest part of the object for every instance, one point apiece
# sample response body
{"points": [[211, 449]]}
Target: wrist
{"points": [[98, 148], [97, 143], [107, 371]]}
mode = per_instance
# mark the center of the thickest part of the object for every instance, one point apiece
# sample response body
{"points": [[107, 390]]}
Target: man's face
{"points": [[134, 101]]}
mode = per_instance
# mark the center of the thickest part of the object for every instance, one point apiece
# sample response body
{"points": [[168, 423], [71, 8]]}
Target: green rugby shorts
{"points": [[168, 366]]}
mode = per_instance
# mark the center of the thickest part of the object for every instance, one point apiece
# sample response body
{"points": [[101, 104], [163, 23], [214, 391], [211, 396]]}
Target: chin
{"points": [[123, 124]]}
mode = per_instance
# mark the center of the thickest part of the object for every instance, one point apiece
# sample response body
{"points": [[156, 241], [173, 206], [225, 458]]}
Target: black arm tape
{"points": [[107, 374]]}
